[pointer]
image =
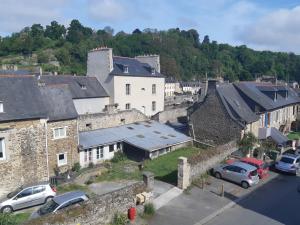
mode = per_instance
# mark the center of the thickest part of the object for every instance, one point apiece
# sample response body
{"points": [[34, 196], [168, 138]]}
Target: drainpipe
{"points": [[47, 155]]}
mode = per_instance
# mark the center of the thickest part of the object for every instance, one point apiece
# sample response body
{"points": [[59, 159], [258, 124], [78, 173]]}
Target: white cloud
{"points": [[15, 15], [278, 30], [107, 10]]}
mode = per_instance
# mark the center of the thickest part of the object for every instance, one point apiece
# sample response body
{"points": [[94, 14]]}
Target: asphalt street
{"points": [[276, 202]]}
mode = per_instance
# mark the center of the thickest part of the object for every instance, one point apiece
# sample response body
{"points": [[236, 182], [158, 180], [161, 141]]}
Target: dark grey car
{"points": [[61, 202]]}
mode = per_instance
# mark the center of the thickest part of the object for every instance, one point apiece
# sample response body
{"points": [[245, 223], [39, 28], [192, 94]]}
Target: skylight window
{"points": [[157, 132], [140, 136], [171, 135], [125, 69], [130, 128], [1, 107], [163, 137]]}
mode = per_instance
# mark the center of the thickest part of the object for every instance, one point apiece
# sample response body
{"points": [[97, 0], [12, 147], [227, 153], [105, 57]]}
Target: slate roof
{"points": [[15, 72], [235, 104], [135, 68], [58, 102], [80, 86], [148, 136], [255, 92], [21, 98]]}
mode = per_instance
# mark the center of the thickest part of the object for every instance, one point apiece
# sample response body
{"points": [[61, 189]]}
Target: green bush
{"points": [[91, 165], [149, 209], [7, 219], [118, 157], [76, 167], [119, 219]]}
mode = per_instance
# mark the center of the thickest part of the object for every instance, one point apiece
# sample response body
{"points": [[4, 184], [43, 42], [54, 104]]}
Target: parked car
{"points": [[61, 202], [288, 163], [24, 197], [238, 172], [262, 167]]}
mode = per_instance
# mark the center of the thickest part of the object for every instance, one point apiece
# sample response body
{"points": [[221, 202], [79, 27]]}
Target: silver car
{"points": [[238, 172], [25, 197], [288, 163], [61, 202]]}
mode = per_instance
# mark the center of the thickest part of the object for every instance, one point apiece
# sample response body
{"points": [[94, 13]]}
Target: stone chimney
{"points": [[152, 60]]}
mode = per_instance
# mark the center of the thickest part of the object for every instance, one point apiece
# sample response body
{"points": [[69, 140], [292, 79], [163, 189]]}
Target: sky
{"points": [[260, 24]]}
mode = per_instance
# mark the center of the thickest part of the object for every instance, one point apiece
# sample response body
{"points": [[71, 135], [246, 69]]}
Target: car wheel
{"points": [[218, 175], [48, 199], [245, 184], [7, 209]]}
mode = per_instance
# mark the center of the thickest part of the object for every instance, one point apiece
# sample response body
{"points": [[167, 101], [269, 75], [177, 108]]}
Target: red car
{"points": [[262, 167]]}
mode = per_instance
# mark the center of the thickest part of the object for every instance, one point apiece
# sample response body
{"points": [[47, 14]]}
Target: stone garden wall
{"points": [[191, 168]]}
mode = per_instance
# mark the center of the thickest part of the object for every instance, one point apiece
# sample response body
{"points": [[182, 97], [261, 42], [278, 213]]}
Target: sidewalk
{"points": [[197, 206]]}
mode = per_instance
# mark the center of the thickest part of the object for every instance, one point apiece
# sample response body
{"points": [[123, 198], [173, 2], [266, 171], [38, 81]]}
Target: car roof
{"points": [[244, 166], [68, 196], [34, 185], [252, 160]]}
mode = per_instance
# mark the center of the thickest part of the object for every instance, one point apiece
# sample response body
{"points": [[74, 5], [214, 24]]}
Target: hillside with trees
{"points": [[184, 54]]}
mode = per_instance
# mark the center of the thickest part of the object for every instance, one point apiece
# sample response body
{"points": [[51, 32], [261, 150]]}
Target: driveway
{"points": [[195, 204]]}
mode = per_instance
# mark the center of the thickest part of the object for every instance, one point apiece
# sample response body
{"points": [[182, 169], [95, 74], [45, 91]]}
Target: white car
{"points": [[288, 163]]}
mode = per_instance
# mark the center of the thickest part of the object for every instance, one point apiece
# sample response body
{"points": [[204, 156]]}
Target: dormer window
{"points": [[83, 87], [152, 70], [1, 107], [275, 97], [125, 69]]}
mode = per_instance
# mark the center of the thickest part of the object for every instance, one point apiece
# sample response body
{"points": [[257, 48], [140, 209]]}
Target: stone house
{"points": [[38, 131], [230, 110], [130, 82], [192, 87], [172, 86]]}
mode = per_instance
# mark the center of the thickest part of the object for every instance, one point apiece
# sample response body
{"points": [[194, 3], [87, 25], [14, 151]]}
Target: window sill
{"points": [[60, 165], [59, 138]]}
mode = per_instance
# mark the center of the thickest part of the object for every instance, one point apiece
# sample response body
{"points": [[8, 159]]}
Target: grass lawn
{"points": [[293, 135], [165, 167], [122, 170], [21, 217]]}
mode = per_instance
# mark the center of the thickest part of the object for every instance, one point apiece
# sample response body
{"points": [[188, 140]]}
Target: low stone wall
{"points": [[100, 209], [171, 115], [190, 168], [106, 120]]}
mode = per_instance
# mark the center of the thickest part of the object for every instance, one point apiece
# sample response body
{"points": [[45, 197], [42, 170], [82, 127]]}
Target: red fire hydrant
{"points": [[131, 213]]}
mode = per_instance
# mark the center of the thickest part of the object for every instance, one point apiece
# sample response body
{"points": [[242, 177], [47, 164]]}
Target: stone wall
{"points": [[171, 115], [25, 161], [193, 167], [100, 209], [67, 145], [211, 122], [106, 120]]}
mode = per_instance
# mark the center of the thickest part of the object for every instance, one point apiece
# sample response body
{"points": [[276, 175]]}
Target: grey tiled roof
{"points": [[235, 105], [15, 72], [255, 92], [58, 102], [80, 86], [21, 98], [135, 68], [148, 136]]}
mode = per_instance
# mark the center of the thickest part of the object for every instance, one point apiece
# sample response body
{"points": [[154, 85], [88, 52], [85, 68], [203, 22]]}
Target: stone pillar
{"points": [[183, 177], [148, 179]]}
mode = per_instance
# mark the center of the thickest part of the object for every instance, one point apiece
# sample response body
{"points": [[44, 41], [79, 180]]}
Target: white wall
{"points": [[139, 97], [106, 155], [90, 105]]}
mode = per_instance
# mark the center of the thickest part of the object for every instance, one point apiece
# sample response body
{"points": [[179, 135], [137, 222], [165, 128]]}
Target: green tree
{"points": [[247, 143], [55, 31]]}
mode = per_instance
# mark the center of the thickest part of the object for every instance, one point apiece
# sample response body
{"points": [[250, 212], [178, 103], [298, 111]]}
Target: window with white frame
{"points": [[127, 87], [1, 107], [153, 88], [100, 152], [127, 106], [2, 149], [153, 106], [60, 132], [62, 159]]}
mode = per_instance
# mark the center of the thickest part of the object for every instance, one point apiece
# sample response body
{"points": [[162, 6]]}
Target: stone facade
{"points": [[211, 122], [106, 120], [67, 145], [191, 168], [99, 210], [171, 115], [25, 159]]}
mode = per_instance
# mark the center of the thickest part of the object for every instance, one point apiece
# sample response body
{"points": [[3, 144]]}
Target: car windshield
{"points": [[48, 207], [12, 194], [253, 173], [287, 160]]}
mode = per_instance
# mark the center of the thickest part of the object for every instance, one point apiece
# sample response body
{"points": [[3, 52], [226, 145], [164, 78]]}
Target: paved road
{"points": [[276, 202]]}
